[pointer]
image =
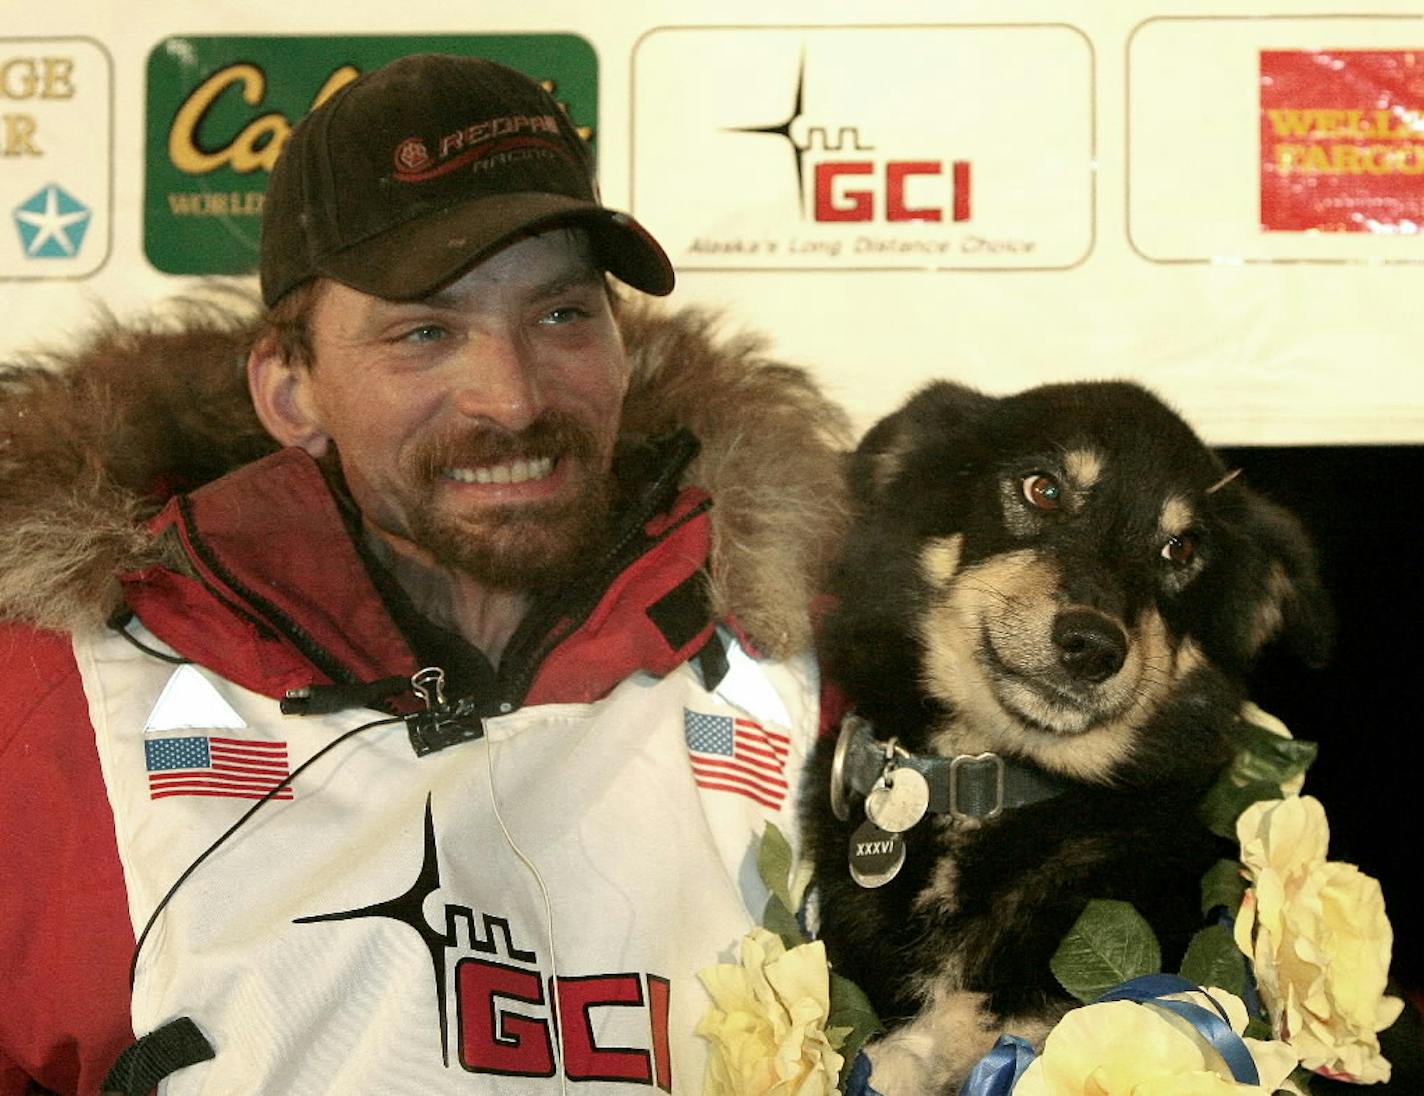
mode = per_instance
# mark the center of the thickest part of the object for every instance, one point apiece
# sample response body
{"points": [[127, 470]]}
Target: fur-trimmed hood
{"points": [[94, 439]]}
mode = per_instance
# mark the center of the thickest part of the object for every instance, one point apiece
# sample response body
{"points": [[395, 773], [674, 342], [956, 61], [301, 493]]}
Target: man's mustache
{"points": [[553, 434]]}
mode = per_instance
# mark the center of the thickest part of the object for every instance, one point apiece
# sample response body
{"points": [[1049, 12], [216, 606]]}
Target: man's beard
{"points": [[532, 546]]}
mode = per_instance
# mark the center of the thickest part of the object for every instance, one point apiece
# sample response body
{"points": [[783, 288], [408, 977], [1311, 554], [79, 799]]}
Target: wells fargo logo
{"points": [[220, 109], [1342, 141], [1347, 142]]}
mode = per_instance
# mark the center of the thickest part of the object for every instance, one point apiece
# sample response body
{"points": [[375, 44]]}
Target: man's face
{"points": [[479, 423]]}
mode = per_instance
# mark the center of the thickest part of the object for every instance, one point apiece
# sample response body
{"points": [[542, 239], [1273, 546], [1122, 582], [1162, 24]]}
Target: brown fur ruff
{"points": [[93, 439]]}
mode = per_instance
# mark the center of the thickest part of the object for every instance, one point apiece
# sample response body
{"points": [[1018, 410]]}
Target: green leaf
{"points": [[1213, 959], [1225, 801], [1266, 756], [1256, 1028], [1263, 762], [1109, 943], [1223, 885], [1300, 1077], [780, 920], [851, 1009], [774, 863]]}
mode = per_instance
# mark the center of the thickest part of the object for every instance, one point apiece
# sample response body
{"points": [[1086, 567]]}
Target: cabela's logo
{"points": [[256, 144], [848, 180]]}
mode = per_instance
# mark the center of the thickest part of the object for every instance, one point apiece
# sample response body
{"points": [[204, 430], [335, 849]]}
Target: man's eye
{"points": [[426, 332], [566, 314]]}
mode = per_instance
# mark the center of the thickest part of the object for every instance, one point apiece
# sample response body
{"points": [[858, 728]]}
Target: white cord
{"points": [[554, 1009]]}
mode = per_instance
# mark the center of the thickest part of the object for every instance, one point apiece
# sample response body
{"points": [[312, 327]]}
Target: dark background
{"points": [[1360, 505]]}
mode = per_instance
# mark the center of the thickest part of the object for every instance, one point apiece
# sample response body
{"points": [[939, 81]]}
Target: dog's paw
{"points": [[899, 1067], [934, 1052]]}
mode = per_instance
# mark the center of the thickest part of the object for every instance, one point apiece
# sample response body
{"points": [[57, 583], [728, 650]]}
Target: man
{"points": [[428, 752]]}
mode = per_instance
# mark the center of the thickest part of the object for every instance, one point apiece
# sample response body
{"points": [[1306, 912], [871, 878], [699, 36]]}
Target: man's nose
{"points": [[498, 381]]}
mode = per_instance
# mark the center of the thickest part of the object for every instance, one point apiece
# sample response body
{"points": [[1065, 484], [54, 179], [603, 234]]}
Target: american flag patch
{"points": [[737, 756], [208, 765]]}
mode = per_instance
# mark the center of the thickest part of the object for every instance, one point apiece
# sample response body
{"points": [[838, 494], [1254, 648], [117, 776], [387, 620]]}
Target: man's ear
{"points": [[282, 395]]}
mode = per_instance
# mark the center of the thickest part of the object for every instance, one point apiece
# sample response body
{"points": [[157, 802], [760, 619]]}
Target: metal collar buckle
{"points": [[967, 817]]}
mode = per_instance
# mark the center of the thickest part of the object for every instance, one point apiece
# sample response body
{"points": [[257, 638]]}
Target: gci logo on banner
{"points": [[220, 109], [874, 148], [840, 165]]}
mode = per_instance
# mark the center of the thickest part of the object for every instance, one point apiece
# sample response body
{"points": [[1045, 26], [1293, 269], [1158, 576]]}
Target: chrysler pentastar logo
{"points": [[52, 223]]}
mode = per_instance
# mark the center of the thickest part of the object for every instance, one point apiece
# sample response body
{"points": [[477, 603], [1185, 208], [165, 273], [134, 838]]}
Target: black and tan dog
{"points": [[1049, 601]]}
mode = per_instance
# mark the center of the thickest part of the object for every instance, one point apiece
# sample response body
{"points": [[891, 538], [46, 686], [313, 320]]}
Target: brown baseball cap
{"points": [[414, 172]]}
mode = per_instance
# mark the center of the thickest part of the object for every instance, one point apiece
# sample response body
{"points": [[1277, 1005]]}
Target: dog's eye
{"points": [[1180, 549], [1042, 491]]}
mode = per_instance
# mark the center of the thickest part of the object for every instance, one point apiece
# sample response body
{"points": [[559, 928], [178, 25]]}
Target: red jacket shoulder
{"points": [[65, 934]]}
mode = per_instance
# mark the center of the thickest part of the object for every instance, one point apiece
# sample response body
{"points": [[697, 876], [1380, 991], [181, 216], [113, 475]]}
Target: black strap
{"points": [[969, 786], [162, 1051], [712, 661], [682, 612]]}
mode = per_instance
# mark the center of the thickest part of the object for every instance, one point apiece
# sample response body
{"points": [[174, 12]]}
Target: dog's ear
{"points": [[1279, 591], [937, 415]]}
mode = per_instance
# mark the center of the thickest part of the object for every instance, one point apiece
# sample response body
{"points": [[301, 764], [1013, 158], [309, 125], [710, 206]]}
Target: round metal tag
{"points": [[876, 856], [851, 726], [898, 800]]}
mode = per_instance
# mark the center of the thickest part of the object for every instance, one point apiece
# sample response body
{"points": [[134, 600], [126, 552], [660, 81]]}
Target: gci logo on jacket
{"points": [[510, 1016], [866, 148]]}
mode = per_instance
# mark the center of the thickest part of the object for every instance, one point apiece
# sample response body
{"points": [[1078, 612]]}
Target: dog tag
{"points": [[899, 799], [876, 856]]}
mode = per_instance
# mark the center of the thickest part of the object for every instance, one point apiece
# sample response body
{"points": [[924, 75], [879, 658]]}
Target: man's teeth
{"points": [[519, 471]]}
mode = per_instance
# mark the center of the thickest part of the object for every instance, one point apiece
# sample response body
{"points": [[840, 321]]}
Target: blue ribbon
{"points": [[858, 1083], [1212, 1026], [997, 1072]]}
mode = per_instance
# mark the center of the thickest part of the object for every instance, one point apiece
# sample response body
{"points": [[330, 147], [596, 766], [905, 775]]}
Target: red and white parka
{"points": [[510, 912]]}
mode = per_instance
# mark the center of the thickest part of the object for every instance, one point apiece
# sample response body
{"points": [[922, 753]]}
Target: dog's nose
{"points": [[1090, 646]]}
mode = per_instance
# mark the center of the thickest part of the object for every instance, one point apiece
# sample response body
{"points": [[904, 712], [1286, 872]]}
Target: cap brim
{"points": [[414, 259]]}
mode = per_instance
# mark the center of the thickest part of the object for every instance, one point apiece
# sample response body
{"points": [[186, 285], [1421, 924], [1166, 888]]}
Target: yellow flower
{"points": [[1120, 1048], [1318, 938], [767, 1023]]}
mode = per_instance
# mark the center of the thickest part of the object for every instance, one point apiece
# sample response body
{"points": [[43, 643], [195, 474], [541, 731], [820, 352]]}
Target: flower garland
{"points": [[1296, 964], [781, 1022]]}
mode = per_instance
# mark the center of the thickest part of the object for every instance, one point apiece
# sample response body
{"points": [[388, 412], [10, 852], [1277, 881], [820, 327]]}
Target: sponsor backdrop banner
{"points": [[56, 157], [813, 160], [1334, 137], [220, 107], [1227, 207]]}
